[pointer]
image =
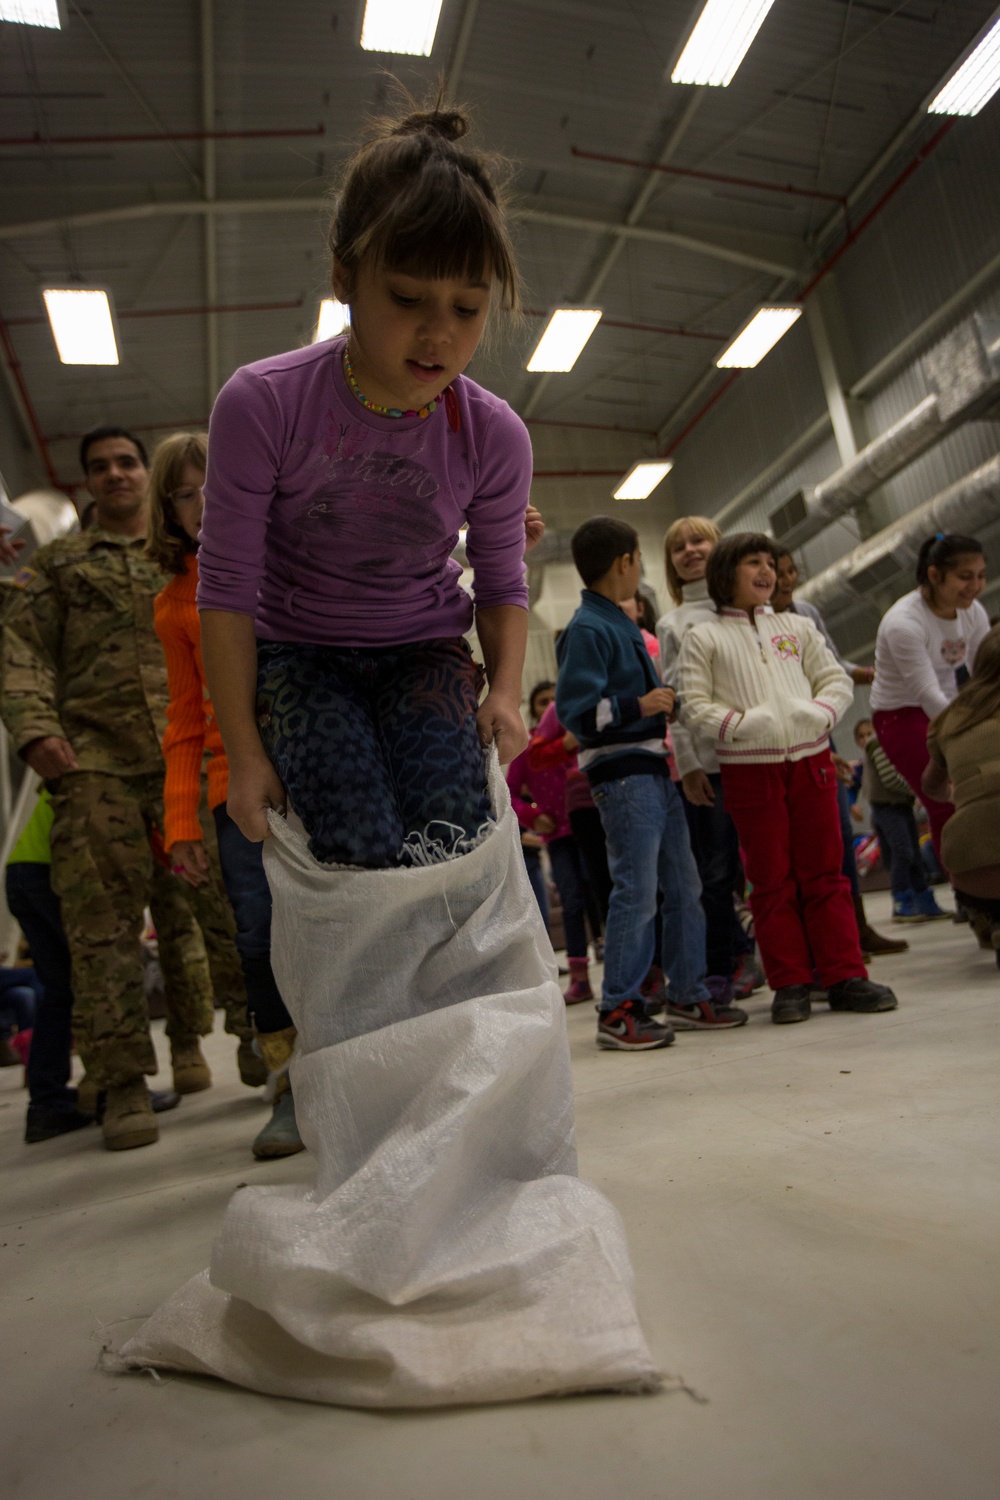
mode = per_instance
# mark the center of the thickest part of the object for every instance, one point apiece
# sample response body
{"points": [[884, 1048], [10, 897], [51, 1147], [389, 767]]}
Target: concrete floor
{"points": [[813, 1213]]}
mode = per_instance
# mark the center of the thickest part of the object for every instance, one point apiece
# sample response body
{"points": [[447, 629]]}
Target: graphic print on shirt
{"points": [[376, 501], [787, 646], [953, 652]]}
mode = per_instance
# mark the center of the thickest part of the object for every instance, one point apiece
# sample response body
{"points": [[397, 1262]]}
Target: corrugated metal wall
{"points": [[935, 236]]}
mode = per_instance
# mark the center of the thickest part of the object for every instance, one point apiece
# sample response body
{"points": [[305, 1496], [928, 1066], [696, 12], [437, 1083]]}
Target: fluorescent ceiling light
{"points": [[720, 41], [642, 479], [975, 82], [31, 12], [566, 332], [82, 326], [758, 338], [400, 26], [333, 318]]}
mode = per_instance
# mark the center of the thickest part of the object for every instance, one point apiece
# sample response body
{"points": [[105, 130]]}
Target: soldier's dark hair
{"points": [[598, 543], [96, 434], [726, 556], [414, 200]]}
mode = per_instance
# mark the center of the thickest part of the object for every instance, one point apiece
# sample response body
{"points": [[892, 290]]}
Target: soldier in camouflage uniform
{"points": [[84, 694]]}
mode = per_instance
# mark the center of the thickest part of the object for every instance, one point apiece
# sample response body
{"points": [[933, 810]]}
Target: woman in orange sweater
{"points": [[176, 502]]}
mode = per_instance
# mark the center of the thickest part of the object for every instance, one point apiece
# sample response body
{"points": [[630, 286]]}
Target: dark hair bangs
{"points": [[725, 557], [443, 226]]}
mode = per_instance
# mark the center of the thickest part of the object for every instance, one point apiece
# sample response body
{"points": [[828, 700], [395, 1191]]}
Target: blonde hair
{"points": [[168, 543], [683, 529]]}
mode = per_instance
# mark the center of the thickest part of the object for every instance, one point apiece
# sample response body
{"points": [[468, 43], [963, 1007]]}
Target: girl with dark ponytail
{"points": [[926, 648], [431, 1064], [335, 649]]}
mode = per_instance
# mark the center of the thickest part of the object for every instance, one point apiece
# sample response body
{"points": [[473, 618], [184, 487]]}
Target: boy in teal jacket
{"points": [[607, 694]]}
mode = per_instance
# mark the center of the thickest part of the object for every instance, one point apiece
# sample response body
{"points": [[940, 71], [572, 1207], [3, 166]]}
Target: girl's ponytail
{"points": [[449, 124], [942, 551], [416, 199]]}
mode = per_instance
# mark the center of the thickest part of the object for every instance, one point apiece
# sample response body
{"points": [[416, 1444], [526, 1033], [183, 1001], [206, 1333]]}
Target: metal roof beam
{"points": [[209, 181], [697, 245]]}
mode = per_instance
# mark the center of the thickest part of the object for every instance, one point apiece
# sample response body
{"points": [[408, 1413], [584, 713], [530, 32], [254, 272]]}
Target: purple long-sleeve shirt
{"points": [[332, 525]]}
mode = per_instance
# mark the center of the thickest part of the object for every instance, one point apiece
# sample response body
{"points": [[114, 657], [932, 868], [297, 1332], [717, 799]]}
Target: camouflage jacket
{"points": [[79, 655]]}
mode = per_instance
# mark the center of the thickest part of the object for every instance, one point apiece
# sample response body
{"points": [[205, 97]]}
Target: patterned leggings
{"points": [[377, 749]]}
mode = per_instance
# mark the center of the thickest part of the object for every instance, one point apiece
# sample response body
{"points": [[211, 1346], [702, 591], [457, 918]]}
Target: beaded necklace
{"points": [[448, 396], [382, 411]]}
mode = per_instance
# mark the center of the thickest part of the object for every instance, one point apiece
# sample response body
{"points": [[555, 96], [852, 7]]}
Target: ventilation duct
{"points": [[44, 515], [963, 374], [883, 560]]}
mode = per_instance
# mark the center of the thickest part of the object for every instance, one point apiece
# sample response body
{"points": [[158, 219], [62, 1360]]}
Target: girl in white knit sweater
{"points": [[767, 691]]}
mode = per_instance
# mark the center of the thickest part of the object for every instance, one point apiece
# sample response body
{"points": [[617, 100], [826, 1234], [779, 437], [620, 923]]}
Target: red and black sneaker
{"points": [[628, 1028], [706, 1015]]}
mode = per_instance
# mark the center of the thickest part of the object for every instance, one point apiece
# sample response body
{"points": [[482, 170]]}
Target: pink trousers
{"points": [[902, 733]]}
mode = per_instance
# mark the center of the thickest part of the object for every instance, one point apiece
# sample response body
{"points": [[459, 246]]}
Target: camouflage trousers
{"points": [[105, 874]]}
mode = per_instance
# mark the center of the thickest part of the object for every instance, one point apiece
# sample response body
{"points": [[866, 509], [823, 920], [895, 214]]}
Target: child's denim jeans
{"points": [[649, 848]]}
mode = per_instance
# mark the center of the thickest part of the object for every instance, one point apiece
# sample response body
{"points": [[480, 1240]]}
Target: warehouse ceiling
{"points": [[214, 250]]}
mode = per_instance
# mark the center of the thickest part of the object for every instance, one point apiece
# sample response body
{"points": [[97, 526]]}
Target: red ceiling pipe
{"points": [[701, 176], [182, 424], [577, 473], [18, 374], [917, 160], [702, 411], [173, 312], [154, 139], [587, 426], [677, 332], [670, 328], [850, 238]]}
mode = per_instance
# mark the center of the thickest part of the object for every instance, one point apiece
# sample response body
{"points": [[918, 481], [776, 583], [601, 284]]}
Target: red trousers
{"points": [[902, 733], [789, 826]]}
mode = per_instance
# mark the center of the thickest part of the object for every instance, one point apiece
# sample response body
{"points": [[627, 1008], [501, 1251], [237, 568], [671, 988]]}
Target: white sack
{"points": [[448, 1252]]}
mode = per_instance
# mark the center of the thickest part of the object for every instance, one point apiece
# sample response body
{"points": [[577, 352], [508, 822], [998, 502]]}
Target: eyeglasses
{"points": [[187, 496]]}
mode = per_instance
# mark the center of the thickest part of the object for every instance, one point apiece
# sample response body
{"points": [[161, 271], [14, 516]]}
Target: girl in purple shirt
{"points": [[338, 479]]}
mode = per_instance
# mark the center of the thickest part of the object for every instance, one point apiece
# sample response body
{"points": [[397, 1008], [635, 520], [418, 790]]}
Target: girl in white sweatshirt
{"points": [[767, 691], [925, 648]]}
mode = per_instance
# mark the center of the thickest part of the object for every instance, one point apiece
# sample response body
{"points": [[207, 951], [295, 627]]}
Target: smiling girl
{"points": [[339, 476], [766, 689], [687, 546], [926, 646]]}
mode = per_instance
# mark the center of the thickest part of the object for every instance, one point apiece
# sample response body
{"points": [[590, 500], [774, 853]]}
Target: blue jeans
{"points": [[250, 897], [536, 877], [649, 850], [19, 992], [35, 907], [900, 845], [849, 867], [567, 872]]}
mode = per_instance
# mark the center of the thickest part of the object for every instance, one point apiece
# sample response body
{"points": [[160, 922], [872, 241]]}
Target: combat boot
{"points": [[128, 1117], [253, 1068], [191, 1071], [88, 1097], [280, 1136]]}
